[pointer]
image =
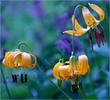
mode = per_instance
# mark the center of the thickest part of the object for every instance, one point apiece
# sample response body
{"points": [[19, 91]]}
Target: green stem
{"points": [[66, 95], [6, 86], [79, 87], [74, 25], [24, 44], [81, 93]]}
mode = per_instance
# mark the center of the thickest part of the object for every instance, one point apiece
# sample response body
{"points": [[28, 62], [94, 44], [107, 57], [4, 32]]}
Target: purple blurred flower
{"points": [[61, 21], [37, 10], [65, 44]]}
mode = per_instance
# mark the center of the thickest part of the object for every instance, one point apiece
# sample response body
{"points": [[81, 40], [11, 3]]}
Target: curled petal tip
{"points": [[64, 32], [68, 32], [98, 10]]}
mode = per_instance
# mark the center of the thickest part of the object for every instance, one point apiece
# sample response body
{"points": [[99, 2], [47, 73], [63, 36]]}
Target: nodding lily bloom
{"points": [[92, 23], [18, 59], [71, 69]]}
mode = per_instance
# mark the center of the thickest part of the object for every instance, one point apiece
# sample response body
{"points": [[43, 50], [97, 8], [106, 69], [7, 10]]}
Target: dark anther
{"points": [[98, 37], [74, 87], [14, 78], [90, 41], [23, 78]]}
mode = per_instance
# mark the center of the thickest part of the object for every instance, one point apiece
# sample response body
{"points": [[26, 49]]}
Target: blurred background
{"points": [[40, 24]]}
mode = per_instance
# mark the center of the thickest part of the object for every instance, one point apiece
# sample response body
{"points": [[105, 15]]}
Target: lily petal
{"points": [[55, 70], [80, 32], [17, 59], [77, 26], [35, 60], [66, 72], [26, 60], [83, 66], [5, 60], [98, 10], [89, 18]]}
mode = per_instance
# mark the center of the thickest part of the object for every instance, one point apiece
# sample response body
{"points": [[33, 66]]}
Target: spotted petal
{"points": [[89, 18], [98, 10]]}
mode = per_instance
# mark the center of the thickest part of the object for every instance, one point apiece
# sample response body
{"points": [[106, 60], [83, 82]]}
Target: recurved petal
{"points": [[26, 60], [55, 70], [35, 60], [99, 11], [66, 72], [6, 59], [83, 66], [89, 18], [9, 59], [75, 23], [17, 59], [80, 32]]}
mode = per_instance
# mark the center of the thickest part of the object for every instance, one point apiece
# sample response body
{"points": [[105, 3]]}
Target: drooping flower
{"points": [[71, 69], [18, 59], [92, 23]]}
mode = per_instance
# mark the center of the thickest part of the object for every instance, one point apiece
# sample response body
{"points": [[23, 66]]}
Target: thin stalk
{"points": [[81, 93], [74, 26], [24, 44], [6, 86]]}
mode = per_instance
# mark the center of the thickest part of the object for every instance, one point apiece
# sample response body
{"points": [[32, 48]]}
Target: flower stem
{"points": [[24, 44], [74, 25], [81, 93], [6, 86]]}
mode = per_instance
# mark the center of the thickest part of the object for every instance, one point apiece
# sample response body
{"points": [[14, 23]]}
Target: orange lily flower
{"points": [[18, 59], [91, 22]]}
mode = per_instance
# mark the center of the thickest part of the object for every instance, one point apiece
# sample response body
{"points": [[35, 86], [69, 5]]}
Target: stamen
{"points": [[90, 41], [98, 38]]}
